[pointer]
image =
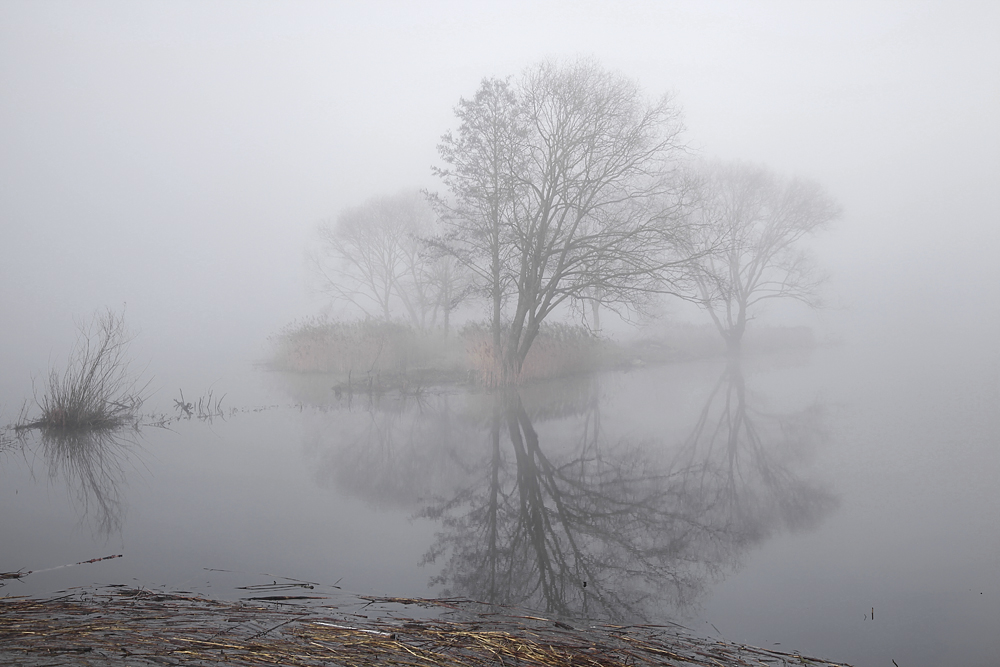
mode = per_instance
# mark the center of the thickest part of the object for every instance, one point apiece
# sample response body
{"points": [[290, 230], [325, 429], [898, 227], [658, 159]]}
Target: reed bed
{"points": [[118, 625], [560, 350], [359, 348]]}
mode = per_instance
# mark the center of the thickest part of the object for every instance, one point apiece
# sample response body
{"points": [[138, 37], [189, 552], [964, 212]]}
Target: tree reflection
{"points": [[616, 530], [598, 532], [539, 505], [742, 454], [92, 464], [393, 452]]}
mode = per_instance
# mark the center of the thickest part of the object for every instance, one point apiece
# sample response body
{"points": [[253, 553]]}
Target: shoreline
{"points": [[119, 625]]}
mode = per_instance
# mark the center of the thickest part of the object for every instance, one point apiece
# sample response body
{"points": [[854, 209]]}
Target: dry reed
{"points": [[559, 350], [117, 625]]}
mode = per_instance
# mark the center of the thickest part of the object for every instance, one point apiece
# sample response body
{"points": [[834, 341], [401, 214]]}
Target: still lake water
{"points": [[778, 502]]}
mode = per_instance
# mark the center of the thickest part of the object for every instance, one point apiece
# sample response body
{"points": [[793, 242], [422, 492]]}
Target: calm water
{"points": [[780, 501]]}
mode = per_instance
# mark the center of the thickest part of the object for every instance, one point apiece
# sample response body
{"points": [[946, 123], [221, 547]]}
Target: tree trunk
{"points": [[734, 343]]}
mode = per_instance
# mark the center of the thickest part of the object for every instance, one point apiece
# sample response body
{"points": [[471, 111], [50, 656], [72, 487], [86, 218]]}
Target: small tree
{"points": [[561, 190], [747, 243]]}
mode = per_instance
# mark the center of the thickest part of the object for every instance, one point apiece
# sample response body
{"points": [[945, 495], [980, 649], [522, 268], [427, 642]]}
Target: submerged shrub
{"points": [[96, 390]]}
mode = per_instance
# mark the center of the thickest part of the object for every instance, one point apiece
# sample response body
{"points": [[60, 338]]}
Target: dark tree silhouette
{"points": [[561, 189]]}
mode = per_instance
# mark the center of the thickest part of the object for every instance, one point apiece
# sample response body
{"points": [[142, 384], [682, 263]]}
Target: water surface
{"points": [[781, 501]]}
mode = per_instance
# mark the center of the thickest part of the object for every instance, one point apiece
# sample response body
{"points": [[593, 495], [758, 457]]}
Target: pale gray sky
{"points": [[175, 155]]}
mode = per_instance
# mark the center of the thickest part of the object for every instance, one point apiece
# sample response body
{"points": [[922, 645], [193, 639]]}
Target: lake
{"points": [[842, 502]]}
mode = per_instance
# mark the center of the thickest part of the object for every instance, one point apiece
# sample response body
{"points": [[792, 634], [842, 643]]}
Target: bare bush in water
{"points": [[97, 389]]}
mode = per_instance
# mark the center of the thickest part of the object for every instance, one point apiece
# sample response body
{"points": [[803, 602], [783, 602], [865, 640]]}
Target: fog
{"points": [[175, 159]]}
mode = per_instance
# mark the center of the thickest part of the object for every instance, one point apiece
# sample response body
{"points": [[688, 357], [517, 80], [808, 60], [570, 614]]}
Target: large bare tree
{"points": [[748, 242], [560, 189]]}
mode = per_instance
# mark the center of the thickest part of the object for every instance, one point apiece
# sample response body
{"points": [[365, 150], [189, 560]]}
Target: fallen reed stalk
{"points": [[21, 574], [118, 625]]}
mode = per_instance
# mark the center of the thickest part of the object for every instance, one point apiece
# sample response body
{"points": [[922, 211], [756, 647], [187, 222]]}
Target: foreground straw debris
{"points": [[118, 626]]}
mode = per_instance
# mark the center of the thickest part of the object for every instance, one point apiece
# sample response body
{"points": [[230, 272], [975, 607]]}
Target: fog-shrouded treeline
{"points": [[568, 193]]}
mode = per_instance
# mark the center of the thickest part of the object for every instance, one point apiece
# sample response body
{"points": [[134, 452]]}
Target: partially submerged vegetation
{"points": [[97, 390], [119, 625], [207, 407]]}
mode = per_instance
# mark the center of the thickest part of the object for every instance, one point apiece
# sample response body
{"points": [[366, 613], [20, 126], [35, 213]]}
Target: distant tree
{"points": [[375, 257], [748, 242], [560, 190]]}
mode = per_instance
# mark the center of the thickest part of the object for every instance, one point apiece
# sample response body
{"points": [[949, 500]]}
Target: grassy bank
{"points": [[368, 355]]}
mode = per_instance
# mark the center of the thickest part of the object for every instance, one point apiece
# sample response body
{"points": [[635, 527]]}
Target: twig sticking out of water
{"points": [[208, 407]]}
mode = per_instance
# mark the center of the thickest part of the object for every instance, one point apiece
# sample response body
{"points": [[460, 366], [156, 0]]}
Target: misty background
{"points": [[177, 157]]}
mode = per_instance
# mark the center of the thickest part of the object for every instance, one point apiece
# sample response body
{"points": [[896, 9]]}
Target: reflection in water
{"points": [[92, 464], [579, 522], [594, 530], [393, 452], [743, 452]]}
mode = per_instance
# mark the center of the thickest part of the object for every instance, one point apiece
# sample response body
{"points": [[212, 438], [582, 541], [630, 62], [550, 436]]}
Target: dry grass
{"points": [[559, 350], [360, 348], [118, 625], [97, 389], [371, 354]]}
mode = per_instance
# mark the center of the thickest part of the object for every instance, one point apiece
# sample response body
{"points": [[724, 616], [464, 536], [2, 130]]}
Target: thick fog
{"points": [[174, 162], [176, 157]]}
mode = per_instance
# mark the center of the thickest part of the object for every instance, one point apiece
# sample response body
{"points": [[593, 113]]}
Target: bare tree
{"points": [[375, 257], [485, 160], [752, 223], [561, 190]]}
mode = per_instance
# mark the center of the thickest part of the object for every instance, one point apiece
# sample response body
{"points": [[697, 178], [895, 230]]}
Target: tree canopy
{"points": [[561, 188], [567, 187]]}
